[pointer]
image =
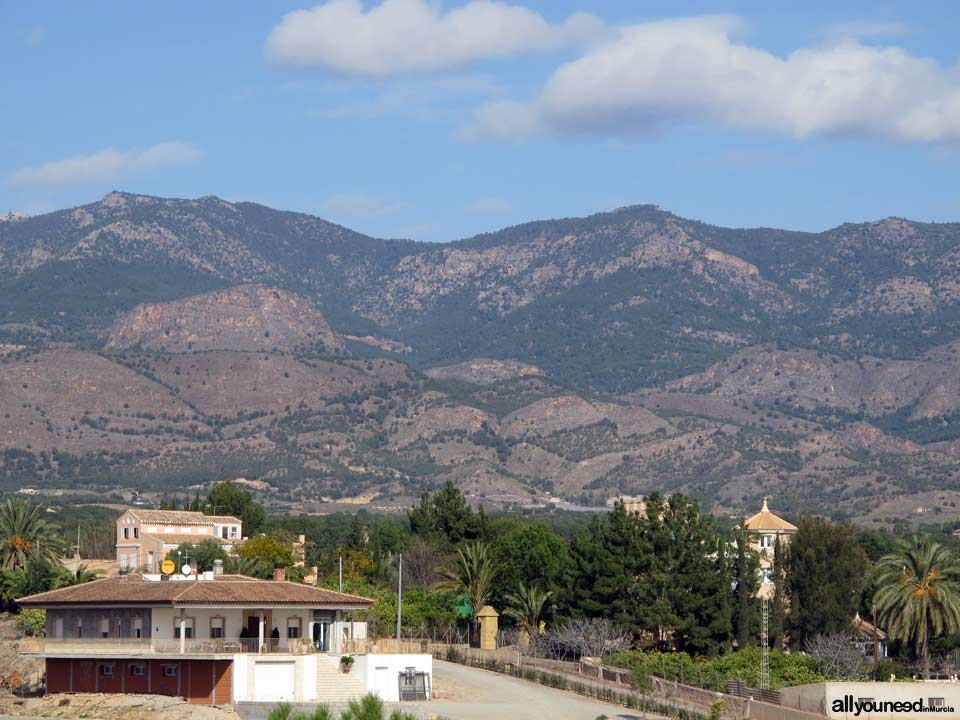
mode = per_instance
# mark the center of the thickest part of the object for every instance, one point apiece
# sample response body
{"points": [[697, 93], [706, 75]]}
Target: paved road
{"points": [[465, 693]]}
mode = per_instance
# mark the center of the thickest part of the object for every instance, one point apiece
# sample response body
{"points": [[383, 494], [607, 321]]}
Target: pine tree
{"points": [[778, 608], [746, 607]]}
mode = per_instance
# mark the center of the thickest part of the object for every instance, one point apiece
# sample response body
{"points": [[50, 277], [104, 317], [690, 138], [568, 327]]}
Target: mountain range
{"points": [[153, 342]]}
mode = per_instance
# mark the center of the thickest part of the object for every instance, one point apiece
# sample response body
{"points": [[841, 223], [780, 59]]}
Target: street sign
{"points": [[167, 567]]}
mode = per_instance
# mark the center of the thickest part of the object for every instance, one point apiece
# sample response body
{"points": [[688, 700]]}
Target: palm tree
{"points": [[526, 607], [473, 574], [26, 535], [919, 595], [83, 574]]}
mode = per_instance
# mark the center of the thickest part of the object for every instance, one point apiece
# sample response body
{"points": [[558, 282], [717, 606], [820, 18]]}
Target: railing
{"points": [[386, 646], [165, 646]]}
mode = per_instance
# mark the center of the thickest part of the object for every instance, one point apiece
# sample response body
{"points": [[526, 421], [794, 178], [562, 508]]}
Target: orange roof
{"points": [[180, 517], [766, 520], [223, 590]]}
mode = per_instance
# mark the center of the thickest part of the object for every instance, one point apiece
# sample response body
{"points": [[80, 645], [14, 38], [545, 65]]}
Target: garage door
{"points": [[273, 681]]}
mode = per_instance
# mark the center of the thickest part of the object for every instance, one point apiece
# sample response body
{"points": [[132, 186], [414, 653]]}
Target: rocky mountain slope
{"points": [[151, 342], [246, 317]]}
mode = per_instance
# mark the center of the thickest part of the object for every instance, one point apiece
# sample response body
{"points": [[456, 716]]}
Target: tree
{"points": [[83, 574], [837, 656], [203, 553], [528, 553], [746, 618], [446, 517], [31, 622], [225, 498], [596, 637], [473, 574], [267, 550], [777, 609], [919, 595], [26, 535], [825, 574], [527, 606]]}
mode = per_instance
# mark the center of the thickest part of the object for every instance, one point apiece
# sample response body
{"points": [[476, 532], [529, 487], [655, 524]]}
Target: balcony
{"points": [[165, 647]]}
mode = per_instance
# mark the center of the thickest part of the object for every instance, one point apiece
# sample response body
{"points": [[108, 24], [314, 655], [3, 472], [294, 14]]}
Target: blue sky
{"points": [[438, 121]]}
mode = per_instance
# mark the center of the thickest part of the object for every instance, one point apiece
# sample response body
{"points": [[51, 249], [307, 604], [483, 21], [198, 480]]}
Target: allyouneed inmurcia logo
{"points": [[847, 704]]}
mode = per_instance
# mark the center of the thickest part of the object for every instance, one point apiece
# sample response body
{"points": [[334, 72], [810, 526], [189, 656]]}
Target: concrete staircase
{"points": [[334, 686]]}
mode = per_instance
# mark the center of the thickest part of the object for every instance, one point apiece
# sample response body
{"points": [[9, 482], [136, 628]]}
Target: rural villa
{"points": [[144, 537], [216, 639], [766, 530]]}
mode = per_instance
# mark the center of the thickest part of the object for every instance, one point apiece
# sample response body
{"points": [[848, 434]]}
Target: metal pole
{"points": [[876, 644], [399, 594], [341, 572]]}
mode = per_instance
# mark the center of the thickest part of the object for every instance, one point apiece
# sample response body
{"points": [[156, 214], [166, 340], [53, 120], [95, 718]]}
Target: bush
{"points": [[32, 623]]}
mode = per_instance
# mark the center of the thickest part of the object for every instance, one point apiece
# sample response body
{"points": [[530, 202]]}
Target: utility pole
{"points": [[876, 644], [341, 572], [764, 646], [399, 593]]}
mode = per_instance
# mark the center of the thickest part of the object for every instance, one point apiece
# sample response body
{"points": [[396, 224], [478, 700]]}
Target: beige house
{"points": [[766, 530], [144, 537]]}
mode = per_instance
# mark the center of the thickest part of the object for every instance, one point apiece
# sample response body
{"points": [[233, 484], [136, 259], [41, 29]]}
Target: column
{"points": [[183, 630], [261, 634]]}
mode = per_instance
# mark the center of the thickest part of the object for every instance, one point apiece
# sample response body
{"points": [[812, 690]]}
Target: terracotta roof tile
{"points": [[766, 520], [223, 590], [180, 517]]}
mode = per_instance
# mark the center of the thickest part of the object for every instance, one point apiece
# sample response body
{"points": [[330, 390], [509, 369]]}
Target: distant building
{"points": [[630, 504], [765, 530], [144, 537], [865, 635]]}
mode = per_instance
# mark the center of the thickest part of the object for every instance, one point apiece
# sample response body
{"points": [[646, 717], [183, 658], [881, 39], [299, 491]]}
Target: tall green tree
{"points": [[778, 605], [825, 572], [919, 595], [746, 568], [447, 517], [26, 534], [225, 498], [528, 553]]}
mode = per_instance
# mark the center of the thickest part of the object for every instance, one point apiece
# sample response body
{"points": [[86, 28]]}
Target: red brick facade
{"points": [[199, 681]]}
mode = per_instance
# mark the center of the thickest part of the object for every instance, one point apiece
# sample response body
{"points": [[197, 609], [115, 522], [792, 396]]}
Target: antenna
{"points": [[764, 646]]}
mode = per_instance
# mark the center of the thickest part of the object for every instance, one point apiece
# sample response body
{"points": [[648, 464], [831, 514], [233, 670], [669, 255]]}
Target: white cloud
{"points": [[358, 205], [692, 71], [104, 165], [400, 36]]}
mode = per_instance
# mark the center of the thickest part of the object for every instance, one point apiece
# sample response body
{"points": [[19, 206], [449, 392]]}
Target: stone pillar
{"points": [[488, 619]]}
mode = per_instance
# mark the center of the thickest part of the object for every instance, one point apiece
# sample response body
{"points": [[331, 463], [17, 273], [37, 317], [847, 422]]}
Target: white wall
{"points": [[382, 672], [241, 672], [821, 697]]}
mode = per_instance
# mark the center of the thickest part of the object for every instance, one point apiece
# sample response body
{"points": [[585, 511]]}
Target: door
{"points": [[273, 681]]}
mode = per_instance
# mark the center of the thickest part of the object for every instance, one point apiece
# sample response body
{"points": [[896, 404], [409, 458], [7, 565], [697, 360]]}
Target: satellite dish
{"points": [[186, 569]]}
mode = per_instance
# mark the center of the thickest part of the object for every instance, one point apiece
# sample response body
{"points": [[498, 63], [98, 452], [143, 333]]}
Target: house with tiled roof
{"points": [[766, 530], [212, 638], [145, 537]]}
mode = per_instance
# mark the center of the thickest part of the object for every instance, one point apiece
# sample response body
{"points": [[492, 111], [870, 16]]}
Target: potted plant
{"points": [[346, 662]]}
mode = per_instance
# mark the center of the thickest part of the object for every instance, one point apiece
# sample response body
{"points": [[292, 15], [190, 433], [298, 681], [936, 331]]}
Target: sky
{"points": [[439, 120]]}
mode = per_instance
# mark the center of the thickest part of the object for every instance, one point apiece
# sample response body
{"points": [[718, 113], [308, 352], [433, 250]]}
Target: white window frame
{"points": [[169, 670], [138, 667], [106, 669]]}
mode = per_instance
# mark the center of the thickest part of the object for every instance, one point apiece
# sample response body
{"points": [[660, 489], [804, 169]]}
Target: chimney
{"points": [[218, 567], [279, 572]]}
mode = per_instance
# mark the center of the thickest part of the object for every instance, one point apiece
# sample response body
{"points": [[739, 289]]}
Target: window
{"points": [[766, 541], [293, 627], [104, 627], [169, 670], [106, 669], [234, 531], [137, 670], [936, 702], [188, 629], [78, 628], [138, 627], [136, 533], [766, 575], [126, 533], [216, 627]]}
